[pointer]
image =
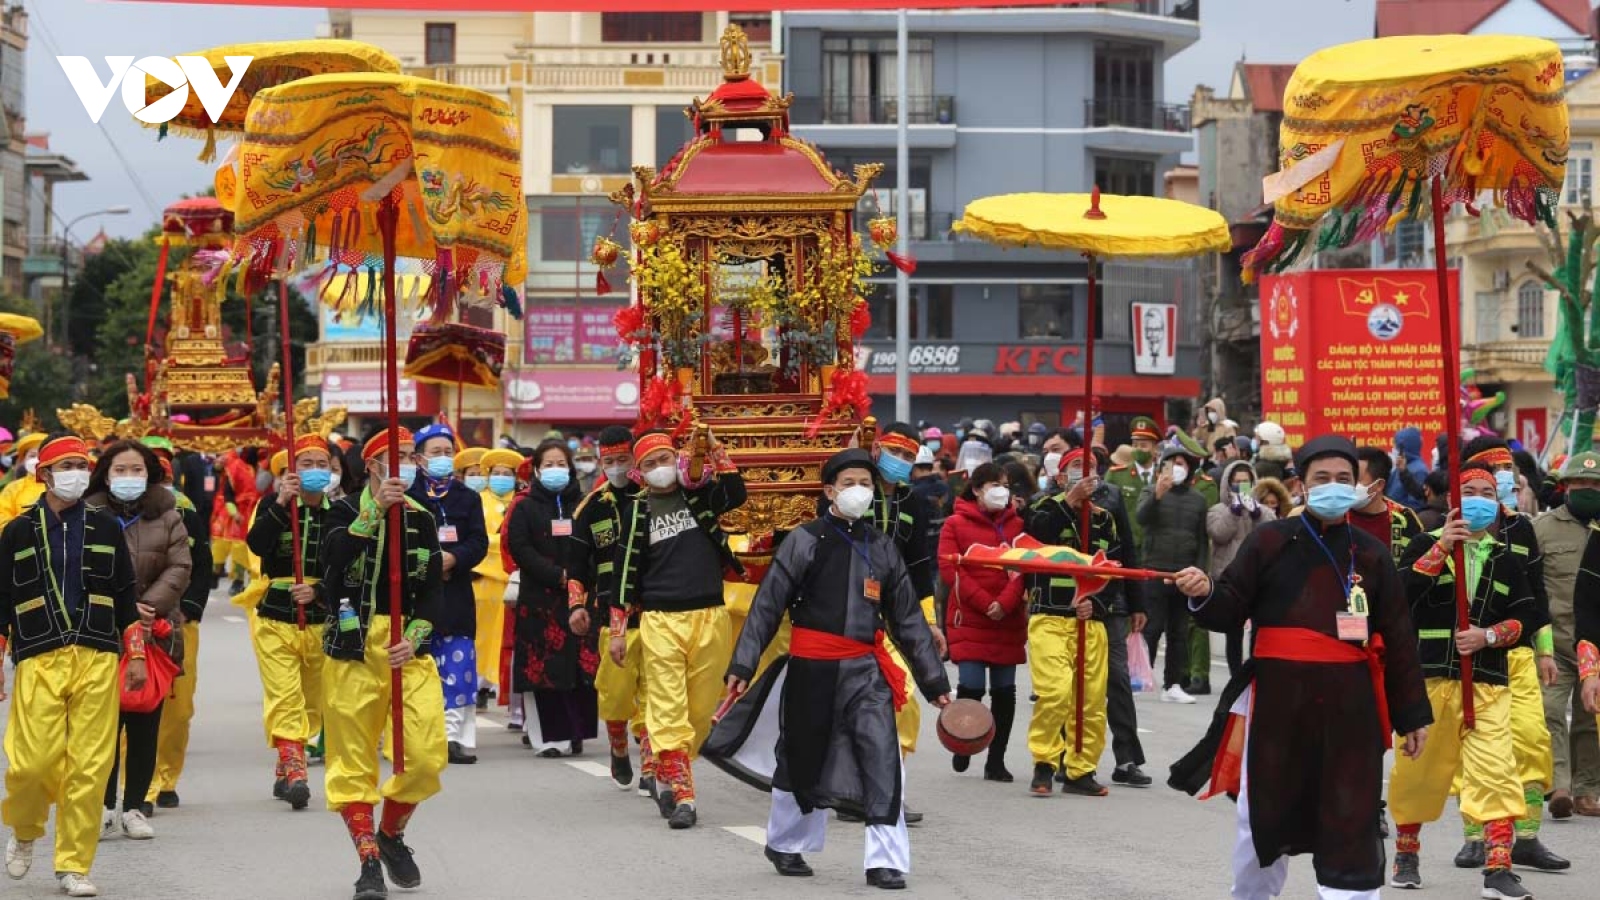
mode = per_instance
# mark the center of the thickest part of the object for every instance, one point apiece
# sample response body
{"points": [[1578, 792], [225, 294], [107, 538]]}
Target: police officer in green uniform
{"points": [[1130, 480]]}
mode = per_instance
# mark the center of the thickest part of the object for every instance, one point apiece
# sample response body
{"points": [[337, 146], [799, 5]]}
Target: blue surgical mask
{"points": [[129, 488], [894, 469], [555, 480], [440, 466], [408, 472], [1333, 500], [475, 482], [1480, 512], [502, 484], [572, 444], [315, 480], [1506, 485]]}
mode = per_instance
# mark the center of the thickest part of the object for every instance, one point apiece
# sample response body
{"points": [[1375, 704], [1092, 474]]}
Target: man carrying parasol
{"points": [[1300, 732]]}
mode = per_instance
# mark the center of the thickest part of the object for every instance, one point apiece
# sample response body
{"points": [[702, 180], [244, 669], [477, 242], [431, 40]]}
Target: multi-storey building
{"points": [[597, 94], [13, 147]]}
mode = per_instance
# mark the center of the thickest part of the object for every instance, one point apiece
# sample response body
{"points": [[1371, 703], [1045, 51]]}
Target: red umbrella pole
{"points": [[1086, 515], [388, 222], [288, 428], [1452, 429]]}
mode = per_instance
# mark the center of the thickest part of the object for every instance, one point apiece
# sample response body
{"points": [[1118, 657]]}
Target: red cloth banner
{"points": [[1353, 352], [513, 6]]}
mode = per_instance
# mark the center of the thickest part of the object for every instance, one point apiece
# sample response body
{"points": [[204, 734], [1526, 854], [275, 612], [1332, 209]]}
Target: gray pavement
{"points": [[516, 826]]}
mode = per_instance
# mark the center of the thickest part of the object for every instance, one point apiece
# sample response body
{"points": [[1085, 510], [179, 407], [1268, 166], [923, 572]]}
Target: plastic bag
{"points": [[1140, 672], [160, 672]]}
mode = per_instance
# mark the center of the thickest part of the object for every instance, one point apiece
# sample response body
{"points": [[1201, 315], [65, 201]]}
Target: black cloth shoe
{"points": [[513, 726], [1086, 785], [575, 748], [1407, 872], [1500, 884], [398, 861], [1131, 776], [459, 755], [1200, 687], [483, 698], [683, 816], [1532, 853], [280, 788], [1043, 784], [370, 886], [888, 879], [995, 770], [666, 803], [847, 816], [298, 794], [548, 753], [236, 588], [959, 762], [167, 800], [622, 771], [912, 818], [647, 786], [788, 864], [1472, 855]]}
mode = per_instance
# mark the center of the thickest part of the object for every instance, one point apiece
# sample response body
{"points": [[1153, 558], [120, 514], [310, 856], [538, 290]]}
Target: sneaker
{"points": [[1472, 855], [912, 816], [370, 886], [108, 824], [136, 827], [1407, 872], [1130, 775], [622, 772], [850, 816], [398, 861], [1043, 784], [1501, 884], [280, 789], [298, 794], [666, 802], [19, 857], [1085, 785], [683, 816], [1532, 853], [647, 786], [75, 885], [1176, 694], [167, 800]]}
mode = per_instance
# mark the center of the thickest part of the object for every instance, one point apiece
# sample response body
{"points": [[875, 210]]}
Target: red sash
{"points": [[1305, 645], [809, 643]]}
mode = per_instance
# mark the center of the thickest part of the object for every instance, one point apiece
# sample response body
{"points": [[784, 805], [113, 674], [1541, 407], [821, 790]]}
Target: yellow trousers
{"points": [[489, 597], [72, 691], [686, 655], [291, 663], [172, 742], [355, 713], [1052, 664], [621, 688], [1530, 735], [1489, 787]]}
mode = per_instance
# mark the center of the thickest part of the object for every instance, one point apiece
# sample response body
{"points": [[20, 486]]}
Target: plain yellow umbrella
{"points": [[1372, 128], [1098, 226]]}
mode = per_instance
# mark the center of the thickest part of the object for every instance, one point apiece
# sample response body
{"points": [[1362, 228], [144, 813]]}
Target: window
{"points": [[757, 26], [1044, 311], [651, 28], [1121, 175], [673, 130], [1410, 238], [567, 229], [440, 44], [941, 312], [881, 303], [858, 81], [592, 139], [1488, 326], [1530, 310], [1580, 162]]}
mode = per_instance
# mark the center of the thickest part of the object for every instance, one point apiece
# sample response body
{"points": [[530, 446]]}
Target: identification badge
{"points": [[447, 534], [1358, 602], [1352, 627], [871, 590], [211, 483], [561, 528]]}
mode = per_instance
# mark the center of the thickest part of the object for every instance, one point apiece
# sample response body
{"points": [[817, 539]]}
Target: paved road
{"points": [[515, 826]]}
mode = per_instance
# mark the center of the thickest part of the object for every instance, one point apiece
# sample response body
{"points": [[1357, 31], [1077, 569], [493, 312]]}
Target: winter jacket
{"points": [[973, 636], [459, 508], [34, 618], [1228, 523], [153, 529], [545, 561], [1174, 528], [1409, 442]]}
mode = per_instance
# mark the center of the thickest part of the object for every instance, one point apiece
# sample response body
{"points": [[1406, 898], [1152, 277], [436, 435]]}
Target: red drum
{"points": [[966, 727]]}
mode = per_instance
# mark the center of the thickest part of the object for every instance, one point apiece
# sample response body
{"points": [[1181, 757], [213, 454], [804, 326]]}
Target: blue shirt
{"points": [[64, 551]]}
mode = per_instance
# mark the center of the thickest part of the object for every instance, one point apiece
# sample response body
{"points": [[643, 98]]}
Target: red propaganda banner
{"points": [[1353, 352], [510, 6]]}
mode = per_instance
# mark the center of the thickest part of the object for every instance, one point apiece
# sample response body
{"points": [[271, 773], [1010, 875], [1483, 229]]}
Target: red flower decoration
{"points": [[661, 406], [629, 322], [847, 394], [860, 320]]}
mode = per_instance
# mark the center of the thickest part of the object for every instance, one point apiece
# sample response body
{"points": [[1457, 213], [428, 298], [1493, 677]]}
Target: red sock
{"points": [[617, 733], [1407, 838], [647, 758], [395, 817], [358, 819], [1498, 835]]}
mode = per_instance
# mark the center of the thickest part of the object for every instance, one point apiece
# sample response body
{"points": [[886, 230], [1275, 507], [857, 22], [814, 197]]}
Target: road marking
{"points": [[490, 721], [755, 834], [591, 768], [235, 619], [1145, 731]]}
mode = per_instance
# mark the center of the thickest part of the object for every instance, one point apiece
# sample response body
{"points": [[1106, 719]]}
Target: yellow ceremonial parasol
{"points": [[14, 330], [1098, 226], [264, 64], [1371, 128]]}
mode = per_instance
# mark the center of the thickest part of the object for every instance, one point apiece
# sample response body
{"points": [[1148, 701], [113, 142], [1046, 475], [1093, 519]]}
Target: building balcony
{"points": [[673, 68], [1148, 115], [44, 257], [1507, 360], [930, 109], [921, 226]]}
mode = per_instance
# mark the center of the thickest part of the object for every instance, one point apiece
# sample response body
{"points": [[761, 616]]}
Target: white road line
{"points": [[755, 834], [234, 619], [490, 721], [1145, 731], [589, 768]]}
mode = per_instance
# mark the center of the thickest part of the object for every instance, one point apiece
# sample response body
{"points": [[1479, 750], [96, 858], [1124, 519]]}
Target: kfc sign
{"points": [[1041, 359]]}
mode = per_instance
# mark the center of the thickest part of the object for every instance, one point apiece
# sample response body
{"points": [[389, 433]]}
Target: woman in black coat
{"points": [[550, 664]]}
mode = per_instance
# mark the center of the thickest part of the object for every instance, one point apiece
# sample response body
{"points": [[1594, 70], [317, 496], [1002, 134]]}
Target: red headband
{"points": [[1071, 456], [650, 443], [613, 449], [62, 448], [379, 443], [896, 441], [308, 443], [1494, 456], [166, 466], [1476, 475]]}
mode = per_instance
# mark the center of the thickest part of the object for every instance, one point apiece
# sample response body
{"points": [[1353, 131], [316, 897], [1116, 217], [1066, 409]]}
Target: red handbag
{"points": [[162, 671]]}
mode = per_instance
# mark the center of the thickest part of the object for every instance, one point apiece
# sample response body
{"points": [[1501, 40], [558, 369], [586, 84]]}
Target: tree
{"points": [[37, 377], [1574, 355]]}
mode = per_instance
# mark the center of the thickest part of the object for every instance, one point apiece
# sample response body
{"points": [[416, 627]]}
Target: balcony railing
{"points": [[931, 109], [922, 226], [671, 67], [1517, 354], [1172, 9], [1119, 112]]}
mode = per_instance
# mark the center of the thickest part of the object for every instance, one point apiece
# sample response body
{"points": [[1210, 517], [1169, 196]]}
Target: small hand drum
{"points": [[966, 727]]}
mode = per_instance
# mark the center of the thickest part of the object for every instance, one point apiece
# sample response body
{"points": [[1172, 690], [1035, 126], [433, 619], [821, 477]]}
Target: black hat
{"points": [[1327, 445], [854, 458]]}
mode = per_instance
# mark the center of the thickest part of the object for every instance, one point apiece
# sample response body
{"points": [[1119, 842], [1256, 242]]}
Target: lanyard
{"points": [[856, 548], [560, 514], [1347, 577]]}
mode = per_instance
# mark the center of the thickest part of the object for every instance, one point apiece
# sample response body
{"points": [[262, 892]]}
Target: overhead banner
{"points": [[1355, 352], [515, 6]]}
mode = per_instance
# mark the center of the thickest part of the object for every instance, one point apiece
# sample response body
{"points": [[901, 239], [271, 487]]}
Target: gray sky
{"points": [[1261, 30]]}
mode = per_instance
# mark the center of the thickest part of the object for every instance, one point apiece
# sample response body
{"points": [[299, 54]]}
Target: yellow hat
{"points": [[469, 457], [28, 443], [511, 459], [279, 463]]}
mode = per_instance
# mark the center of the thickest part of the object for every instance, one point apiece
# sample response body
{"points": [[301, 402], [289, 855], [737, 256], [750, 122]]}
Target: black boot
{"points": [[1003, 703], [960, 761]]}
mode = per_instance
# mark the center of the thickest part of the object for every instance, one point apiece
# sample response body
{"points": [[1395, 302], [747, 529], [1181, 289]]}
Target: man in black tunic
{"points": [[843, 583], [1307, 720]]}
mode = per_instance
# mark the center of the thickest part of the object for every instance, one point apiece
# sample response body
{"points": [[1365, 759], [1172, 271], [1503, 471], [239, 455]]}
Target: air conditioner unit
{"points": [[1502, 279]]}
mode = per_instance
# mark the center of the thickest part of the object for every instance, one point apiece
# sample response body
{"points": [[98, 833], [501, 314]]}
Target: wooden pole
{"points": [[388, 221], [288, 429], [1452, 429]]}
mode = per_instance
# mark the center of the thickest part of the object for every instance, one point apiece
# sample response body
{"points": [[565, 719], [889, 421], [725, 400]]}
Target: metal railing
{"points": [[1130, 112], [646, 67], [922, 226], [1172, 9], [1506, 353], [867, 109]]}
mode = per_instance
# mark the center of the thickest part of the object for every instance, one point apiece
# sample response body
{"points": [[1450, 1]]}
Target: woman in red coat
{"points": [[986, 619]]}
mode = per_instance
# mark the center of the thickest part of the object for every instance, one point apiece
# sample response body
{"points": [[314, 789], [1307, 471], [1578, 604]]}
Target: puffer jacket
{"points": [[153, 529], [1228, 523], [973, 636], [1174, 527]]}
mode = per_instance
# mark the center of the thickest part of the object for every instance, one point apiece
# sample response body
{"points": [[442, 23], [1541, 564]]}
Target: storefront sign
{"points": [[362, 392], [1353, 352], [573, 395], [924, 359], [569, 333], [1155, 338], [1037, 359]]}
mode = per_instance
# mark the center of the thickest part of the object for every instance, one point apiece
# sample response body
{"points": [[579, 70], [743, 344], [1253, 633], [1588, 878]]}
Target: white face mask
{"points": [[70, 484], [854, 501], [617, 475], [1180, 474], [662, 477], [31, 464], [586, 466], [1052, 464], [996, 498]]}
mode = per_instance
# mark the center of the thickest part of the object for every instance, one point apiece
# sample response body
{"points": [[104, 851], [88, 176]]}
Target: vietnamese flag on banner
{"points": [[509, 6]]}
